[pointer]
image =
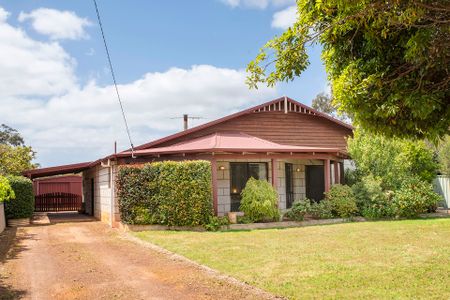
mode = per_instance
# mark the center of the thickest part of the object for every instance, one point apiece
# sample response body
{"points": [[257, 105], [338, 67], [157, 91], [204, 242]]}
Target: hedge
{"points": [[169, 193], [22, 206]]}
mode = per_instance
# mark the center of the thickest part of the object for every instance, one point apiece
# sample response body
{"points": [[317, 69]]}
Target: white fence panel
{"points": [[2, 218], [442, 187]]}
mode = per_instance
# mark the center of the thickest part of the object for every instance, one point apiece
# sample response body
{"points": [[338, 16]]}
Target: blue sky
{"points": [[155, 46]]}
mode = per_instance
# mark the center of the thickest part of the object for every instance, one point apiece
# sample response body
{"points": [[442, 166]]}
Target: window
{"points": [[240, 174]]}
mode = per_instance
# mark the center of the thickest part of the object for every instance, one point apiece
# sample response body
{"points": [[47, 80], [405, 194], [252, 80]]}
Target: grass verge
{"points": [[391, 259]]}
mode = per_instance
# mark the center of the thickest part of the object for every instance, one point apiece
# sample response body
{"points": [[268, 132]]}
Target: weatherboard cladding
{"points": [[295, 129]]}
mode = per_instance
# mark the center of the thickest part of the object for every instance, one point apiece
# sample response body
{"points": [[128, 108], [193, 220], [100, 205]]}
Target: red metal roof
{"points": [[241, 113], [58, 170], [228, 142]]}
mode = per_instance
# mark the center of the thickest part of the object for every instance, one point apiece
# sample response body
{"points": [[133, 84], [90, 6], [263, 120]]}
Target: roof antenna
{"points": [[114, 79], [186, 118]]}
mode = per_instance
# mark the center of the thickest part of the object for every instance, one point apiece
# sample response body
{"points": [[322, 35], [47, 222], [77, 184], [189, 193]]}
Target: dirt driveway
{"points": [[88, 260]]}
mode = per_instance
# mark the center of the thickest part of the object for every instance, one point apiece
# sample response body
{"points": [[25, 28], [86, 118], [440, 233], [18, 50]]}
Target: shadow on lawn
{"points": [[11, 246]]}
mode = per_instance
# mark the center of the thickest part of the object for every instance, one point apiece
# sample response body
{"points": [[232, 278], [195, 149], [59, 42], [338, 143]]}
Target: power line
{"points": [[114, 78]]}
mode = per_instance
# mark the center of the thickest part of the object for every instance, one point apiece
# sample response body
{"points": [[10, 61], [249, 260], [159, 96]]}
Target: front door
{"points": [[240, 174], [289, 172], [315, 183]]}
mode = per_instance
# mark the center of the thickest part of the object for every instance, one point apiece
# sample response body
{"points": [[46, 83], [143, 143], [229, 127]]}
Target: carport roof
{"points": [[58, 170]]}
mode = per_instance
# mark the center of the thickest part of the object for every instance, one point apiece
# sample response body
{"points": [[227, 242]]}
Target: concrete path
{"points": [[88, 260]]}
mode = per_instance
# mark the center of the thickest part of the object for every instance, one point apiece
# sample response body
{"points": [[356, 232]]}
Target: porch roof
{"points": [[226, 142]]}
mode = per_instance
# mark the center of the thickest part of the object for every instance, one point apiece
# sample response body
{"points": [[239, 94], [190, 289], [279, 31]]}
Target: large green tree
{"points": [[388, 61], [15, 156]]}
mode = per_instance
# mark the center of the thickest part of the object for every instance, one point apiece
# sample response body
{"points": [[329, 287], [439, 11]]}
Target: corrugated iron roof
{"points": [[58, 170], [229, 142]]}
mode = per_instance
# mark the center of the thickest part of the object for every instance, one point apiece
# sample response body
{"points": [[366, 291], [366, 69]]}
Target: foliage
{"points": [[388, 61], [391, 159], [168, 193], [6, 192], [414, 197], [298, 210], [443, 153], [22, 206], [15, 160], [324, 103], [10, 136], [372, 201], [343, 201], [15, 156], [244, 220], [215, 223], [259, 201], [321, 210], [351, 176]]}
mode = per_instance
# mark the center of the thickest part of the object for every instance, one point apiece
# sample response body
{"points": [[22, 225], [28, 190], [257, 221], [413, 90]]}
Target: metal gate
{"points": [[57, 202]]}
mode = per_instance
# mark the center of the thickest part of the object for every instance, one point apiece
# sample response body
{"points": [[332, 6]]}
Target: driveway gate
{"points": [[57, 202]]}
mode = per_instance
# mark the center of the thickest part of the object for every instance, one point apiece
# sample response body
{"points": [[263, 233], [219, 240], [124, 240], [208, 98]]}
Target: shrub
{"points": [[243, 220], [167, 193], [215, 223], [259, 201], [321, 210], [135, 192], [372, 201], [351, 177], [391, 159], [414, 198], [298, 210], [22, 206], [343, 201], [6, 192]]}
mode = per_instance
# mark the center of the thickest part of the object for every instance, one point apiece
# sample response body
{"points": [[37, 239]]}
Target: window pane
{"points": [[238, 177], [258, 170]]}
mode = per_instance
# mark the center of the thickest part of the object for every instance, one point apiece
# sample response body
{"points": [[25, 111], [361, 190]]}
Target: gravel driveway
{"points": [[88, 260]]}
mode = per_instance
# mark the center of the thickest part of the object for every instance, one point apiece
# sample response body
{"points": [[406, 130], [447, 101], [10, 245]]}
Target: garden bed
{"points": [[251, 226]]}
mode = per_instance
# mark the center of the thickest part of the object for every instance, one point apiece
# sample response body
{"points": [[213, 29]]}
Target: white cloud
{"points": [[3, 15], [57, 24], [29, 67], [257, 4], [285, 18], [66, 122]]}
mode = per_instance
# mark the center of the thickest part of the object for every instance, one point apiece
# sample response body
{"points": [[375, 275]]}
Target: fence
{"points": [[57, 202], [2, 217], [442, 187]]}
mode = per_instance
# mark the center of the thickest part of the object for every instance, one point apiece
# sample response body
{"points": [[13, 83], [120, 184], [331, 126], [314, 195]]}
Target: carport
{"points": [[60, 195]]}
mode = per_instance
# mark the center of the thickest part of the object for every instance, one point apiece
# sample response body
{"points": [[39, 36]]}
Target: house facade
{"points": [[296, 148]]}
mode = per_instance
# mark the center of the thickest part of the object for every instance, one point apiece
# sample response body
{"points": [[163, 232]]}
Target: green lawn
{"points": [[395, 259]]}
